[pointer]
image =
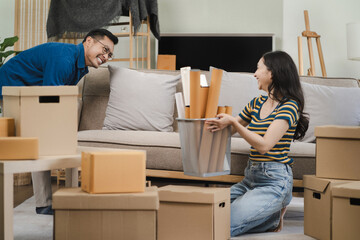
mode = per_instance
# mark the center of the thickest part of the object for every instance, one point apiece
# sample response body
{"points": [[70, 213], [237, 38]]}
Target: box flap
{"points": [[332, 131], [75, 198], [40, 91], [347, 190], [191, 194], [315, 184]]}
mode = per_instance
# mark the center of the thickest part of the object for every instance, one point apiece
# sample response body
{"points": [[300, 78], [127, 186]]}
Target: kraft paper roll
{"points": [[211, 110], [7, 127], [214, 93], [195, 101], [185, 80], [228, 110], [180, 105], [204, 91], [187, 111], [221, 110]]}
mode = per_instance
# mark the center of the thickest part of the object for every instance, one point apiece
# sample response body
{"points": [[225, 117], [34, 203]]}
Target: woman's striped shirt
{"points": [[288, 111]]}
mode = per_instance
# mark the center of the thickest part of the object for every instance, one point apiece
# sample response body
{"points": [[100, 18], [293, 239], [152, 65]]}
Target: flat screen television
{"points": [[233, 52]]}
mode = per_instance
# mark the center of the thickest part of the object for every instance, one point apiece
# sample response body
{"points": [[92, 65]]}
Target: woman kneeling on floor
{"points": [[269, 124]]}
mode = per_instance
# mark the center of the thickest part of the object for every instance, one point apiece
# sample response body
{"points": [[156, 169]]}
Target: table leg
{"points": [[71, 177], [6, 206]]}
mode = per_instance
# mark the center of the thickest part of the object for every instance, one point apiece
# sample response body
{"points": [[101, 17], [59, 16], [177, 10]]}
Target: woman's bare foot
{"points": [[281, 222]]}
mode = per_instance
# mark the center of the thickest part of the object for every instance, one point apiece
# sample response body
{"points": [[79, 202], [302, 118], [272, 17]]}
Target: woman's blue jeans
{"points": [[257, 200]]}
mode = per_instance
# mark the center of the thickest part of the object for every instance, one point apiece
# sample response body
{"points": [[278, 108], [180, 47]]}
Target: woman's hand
{"points": [[221, 123]]}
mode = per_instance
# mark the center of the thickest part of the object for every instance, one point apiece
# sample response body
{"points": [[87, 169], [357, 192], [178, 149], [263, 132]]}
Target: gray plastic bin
{"points": [[204, 154]]}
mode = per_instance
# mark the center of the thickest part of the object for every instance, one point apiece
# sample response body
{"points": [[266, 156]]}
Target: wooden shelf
{"points": [[130, 34]]}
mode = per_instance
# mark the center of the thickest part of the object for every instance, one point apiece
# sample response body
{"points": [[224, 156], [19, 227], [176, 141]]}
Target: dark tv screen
{"points": [[232, 53]]}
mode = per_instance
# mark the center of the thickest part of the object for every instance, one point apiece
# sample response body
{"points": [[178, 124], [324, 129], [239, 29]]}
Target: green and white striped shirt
{"points": [[288, 111]]}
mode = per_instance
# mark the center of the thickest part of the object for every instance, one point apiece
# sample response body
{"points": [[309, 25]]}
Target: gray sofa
{"points": [[163, 148]]}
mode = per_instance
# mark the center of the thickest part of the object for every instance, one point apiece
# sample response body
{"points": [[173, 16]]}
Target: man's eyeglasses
{"points": [[106, 50]]}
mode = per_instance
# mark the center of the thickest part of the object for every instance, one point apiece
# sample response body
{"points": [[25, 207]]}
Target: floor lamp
{"points": [[353, 40]]}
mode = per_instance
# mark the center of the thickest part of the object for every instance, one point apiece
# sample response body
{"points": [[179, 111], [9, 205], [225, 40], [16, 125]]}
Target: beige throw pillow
{"points": [[330, 106], [140, 101]]}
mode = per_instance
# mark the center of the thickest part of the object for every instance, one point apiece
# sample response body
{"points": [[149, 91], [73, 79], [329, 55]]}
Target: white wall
{"points": [[328, 18], [7, 13], [221, 16]]}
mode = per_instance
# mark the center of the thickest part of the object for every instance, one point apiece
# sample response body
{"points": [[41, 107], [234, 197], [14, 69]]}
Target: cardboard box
{"points": [[113, 172], [318, 205], [338, 152], [188, 212], [18, 148], [7, 127], [80, 215], [346, 211], [46, 112]]}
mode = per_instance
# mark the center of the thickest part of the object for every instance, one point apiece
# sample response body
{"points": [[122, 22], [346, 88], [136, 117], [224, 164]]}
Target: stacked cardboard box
{"points": [[80, 215], [112, 203], [332, 197], [121, 171], [15, 148], [188, 212], [46, 112]]}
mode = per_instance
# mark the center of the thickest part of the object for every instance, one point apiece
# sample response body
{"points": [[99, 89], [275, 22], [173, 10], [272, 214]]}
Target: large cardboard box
{"points": [[199, 213], [346, 211], [7, 127], [338, 152], [80, 215], [46, 112], [18, 148], [122, 171], [318, 205]]}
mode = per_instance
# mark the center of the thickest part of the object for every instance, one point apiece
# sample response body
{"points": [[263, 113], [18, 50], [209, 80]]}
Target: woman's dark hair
{"points": [[286, 85], [101, 33]]}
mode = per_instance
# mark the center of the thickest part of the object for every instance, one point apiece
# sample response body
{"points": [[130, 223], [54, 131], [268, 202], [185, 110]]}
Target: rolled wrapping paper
{"points": [[214, 93], [203, 99], [195, 100], [187, 111], [211, 111], [180, 105], [221, 110], [228, 110], [185, 79]]}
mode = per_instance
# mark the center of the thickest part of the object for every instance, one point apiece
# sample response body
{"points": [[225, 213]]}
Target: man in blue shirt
{"points": [[56, 64]]}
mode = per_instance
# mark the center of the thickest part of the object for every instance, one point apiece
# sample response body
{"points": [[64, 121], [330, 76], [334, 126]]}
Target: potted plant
{"points": [[8, 42]]}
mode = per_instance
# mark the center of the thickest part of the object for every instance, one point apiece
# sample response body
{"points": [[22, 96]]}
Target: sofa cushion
{"points": [[162, 148], [140, 101], [328, 105]]}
